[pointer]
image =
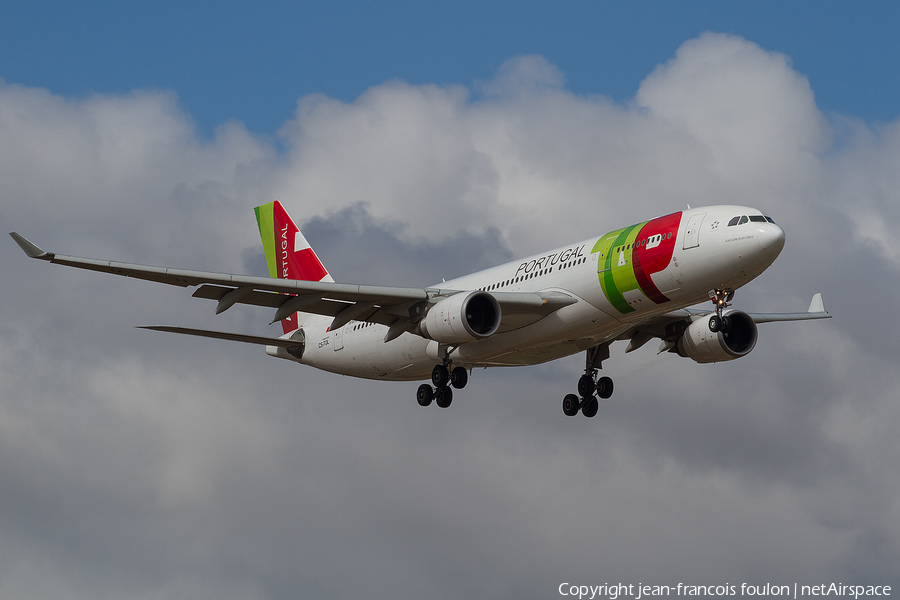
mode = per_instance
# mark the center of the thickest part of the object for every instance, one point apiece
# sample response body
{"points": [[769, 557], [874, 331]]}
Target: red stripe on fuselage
{"points": [[647, 261]]}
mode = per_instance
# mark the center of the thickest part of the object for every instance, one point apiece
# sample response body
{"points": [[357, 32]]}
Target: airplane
{"points": [[632, 284]]}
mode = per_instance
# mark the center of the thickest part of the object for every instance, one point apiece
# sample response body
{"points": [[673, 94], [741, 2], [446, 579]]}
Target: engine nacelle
{"points": [[461, 318], [704, 346]]}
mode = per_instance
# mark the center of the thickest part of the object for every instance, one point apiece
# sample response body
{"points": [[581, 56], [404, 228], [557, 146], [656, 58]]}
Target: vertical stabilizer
{"points": [[288, 254]]}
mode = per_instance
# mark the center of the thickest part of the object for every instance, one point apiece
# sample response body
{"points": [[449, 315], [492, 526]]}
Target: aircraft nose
{"points": [[771, 238]]}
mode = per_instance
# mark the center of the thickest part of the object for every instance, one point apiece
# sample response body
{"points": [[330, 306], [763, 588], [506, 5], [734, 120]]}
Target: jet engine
{"points": [[461, 318], [736, 338]]}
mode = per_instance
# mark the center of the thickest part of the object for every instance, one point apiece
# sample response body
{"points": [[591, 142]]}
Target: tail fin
{"points": [[288, 254]]}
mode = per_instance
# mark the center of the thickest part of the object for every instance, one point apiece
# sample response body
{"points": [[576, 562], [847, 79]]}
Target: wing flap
{"points": [[316, 304], [253, 297]]}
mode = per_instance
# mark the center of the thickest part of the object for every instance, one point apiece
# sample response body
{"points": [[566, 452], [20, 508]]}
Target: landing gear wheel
{"points": [[459, 378], [604, 387], [443, 396], [571, 405], [590, 407], [586, 386], [715, 323], [425, 394], [440, 376]]}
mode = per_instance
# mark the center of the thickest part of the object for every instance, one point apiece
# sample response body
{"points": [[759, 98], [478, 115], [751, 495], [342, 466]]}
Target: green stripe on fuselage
{"points": [[265, 219], [614, 267]]}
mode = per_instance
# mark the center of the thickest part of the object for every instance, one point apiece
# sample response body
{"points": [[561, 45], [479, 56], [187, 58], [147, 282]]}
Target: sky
{"points": [[414, 142]]}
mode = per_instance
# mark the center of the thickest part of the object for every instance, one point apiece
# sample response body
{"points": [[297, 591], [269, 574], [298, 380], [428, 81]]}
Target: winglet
{"points": [[817, 306], [30, 249]]}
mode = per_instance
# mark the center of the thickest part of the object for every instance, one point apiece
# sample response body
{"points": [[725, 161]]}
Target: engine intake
{"points": [[461, 318], [736, 339]]}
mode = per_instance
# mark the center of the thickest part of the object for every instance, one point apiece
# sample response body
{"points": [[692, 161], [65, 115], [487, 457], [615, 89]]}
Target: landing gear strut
{"points": [[721, 298], [588, 384], [443, 379]]}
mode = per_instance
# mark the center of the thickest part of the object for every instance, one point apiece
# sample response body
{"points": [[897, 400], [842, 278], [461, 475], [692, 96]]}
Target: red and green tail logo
{"points": [[288, 254]]}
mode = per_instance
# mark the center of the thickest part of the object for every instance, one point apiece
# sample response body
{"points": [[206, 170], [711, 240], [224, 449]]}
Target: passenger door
{"points": [[692, 231]]}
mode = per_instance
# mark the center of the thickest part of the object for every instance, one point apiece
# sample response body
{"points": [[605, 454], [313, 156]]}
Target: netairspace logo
{"points": [[639, 591]]}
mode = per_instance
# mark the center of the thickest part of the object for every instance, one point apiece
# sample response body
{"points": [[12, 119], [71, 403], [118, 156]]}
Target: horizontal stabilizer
{"points": [[235, 337]]}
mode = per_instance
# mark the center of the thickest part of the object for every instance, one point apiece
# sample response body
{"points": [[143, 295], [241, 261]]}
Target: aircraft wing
{"points": [[816, 310], [668, 327], [398, 307]]}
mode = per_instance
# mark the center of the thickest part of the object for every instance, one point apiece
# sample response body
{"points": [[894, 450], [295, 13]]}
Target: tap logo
{"points": [[288, 254], [628, 257]]}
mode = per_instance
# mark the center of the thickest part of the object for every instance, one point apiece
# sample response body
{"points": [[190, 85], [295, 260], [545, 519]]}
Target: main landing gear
{"points": [[442, 393], [588, 384], [722, 299]]}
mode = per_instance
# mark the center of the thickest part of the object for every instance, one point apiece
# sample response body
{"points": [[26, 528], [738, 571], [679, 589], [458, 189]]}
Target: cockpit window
{"points": [[769, 219], [743, 220], [734, 221], [757, 219]]}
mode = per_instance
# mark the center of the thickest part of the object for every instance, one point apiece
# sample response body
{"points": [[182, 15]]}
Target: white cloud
{"points": [[134, 461], [755, 116], [524, 75]]}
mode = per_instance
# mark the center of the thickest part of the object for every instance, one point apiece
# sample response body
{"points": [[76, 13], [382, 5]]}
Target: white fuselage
{"points": [[706, 254]]}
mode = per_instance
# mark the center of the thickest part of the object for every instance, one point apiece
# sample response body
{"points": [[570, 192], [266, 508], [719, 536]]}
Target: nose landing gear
{"points": [[722, 299]]}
